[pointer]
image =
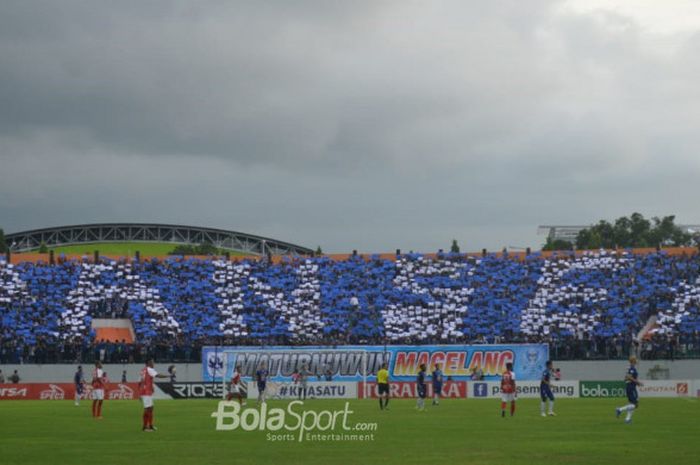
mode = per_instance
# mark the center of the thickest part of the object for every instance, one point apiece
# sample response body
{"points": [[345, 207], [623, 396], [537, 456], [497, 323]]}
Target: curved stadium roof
{"points": [[150, 232]]}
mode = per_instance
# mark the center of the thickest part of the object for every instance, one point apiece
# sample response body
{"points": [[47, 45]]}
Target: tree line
{"points": [[634, 231]]}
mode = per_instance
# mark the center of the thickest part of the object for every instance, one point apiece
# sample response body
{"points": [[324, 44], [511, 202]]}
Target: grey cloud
{"points": [[369, 125]]}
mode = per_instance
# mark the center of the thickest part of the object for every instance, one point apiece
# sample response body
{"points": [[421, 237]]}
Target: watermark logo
{"points": [[293, 423]]}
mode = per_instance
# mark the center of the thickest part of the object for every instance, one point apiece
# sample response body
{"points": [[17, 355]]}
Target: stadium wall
{"points": [[64, 372], [604, 370], [615, 369]]}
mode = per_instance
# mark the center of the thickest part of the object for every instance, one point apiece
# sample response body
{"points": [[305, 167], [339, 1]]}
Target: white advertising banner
{"points": [[524, 389], [665, 388], [314, 390]]}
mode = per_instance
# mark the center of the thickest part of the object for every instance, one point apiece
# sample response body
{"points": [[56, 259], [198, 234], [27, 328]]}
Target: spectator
{"points": [[584, 306], [15, 379]]}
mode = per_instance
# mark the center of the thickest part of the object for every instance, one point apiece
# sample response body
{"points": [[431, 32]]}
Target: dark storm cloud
{"points": [[368, 125]]}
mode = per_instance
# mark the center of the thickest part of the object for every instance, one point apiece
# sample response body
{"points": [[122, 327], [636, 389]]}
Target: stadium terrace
{"points": [[602, 300]]}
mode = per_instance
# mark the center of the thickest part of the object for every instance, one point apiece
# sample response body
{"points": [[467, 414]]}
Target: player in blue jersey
{"points": [[261, 380], [631, 383], [436, 376], [79, 380], [421, 387], [546, 390]]}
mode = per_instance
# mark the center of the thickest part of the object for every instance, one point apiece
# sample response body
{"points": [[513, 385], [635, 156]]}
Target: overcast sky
{"points": [[352, 125]]}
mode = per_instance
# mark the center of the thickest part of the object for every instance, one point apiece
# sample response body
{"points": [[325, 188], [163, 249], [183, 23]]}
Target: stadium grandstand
{"points": [[605, 304]]}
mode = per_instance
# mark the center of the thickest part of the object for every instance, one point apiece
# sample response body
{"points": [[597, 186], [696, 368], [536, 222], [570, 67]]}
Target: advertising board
{"points": [[524, 389], [406, 389], [346, 363]]}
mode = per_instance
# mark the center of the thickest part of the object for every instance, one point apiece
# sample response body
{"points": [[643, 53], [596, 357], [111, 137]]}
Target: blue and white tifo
{"points": [[352, 363], [413, 299]]}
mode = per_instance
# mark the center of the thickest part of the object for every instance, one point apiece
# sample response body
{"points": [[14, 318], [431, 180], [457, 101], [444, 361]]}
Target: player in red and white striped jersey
{"points": [[148, 374], [508, 390], [235, 388], [99, 379]]}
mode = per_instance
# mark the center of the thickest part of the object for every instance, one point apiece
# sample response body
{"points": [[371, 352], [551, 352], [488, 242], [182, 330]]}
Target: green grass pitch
{"points": [[664, 431]]}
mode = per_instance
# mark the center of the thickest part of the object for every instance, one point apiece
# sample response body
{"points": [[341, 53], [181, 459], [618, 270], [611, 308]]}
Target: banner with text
{"points": [[406, 389], [314, 390], [194, 390], [649, 388], [602, 389], [665, 388], [347, 363], [524, 389]]}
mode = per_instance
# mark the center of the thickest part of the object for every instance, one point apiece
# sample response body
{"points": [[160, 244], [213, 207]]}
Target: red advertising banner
{"points": [[65, 391], [406, 389]]}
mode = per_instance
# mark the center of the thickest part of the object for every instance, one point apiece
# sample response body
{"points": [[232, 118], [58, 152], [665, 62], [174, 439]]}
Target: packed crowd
{"points": [[585, 306]]}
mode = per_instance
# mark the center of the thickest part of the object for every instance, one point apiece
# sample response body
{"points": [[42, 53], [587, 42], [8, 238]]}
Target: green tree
{"points": [[454, 248], [635, 231], [182, 249], [206, 248], [557, 244], [3, 242], [667, 233], [319, 251], [43, 248], [639, 230], [601, 235], [622, 231]]}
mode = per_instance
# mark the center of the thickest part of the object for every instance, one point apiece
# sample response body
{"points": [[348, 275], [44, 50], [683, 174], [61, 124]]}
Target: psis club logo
{"points": [[215, 364]]}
